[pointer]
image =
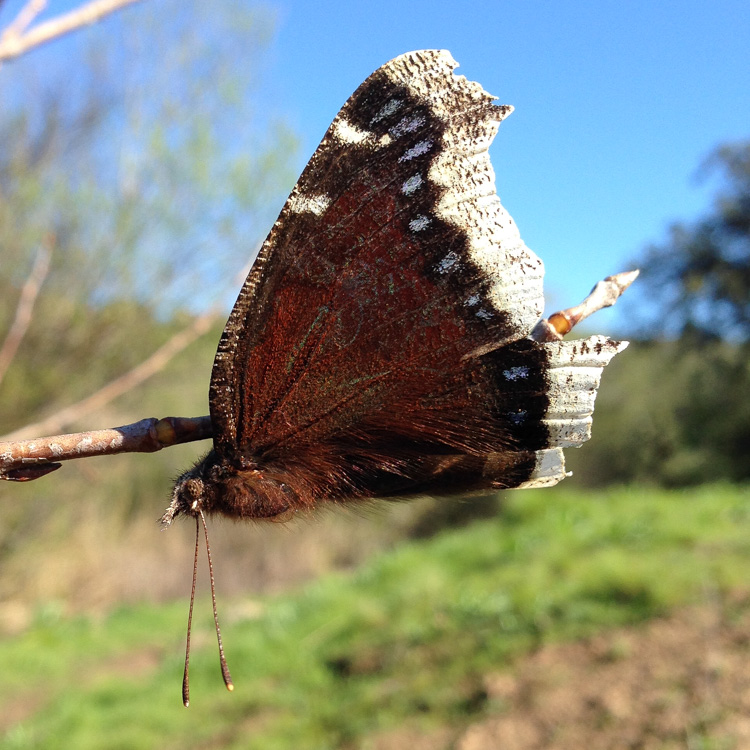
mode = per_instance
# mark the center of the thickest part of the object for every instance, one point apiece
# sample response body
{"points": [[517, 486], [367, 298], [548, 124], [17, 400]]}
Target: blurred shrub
{"points": [[671, 414]]}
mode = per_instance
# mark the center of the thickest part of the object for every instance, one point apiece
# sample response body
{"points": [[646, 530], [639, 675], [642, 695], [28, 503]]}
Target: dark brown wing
{"points": [[385, 263], [391, 290]]}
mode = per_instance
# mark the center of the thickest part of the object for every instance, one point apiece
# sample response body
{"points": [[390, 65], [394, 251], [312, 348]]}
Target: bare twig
{"points": [[30, 459], [604, 294], [156, 362], [24, 19], [16, 40], [25, 306]]}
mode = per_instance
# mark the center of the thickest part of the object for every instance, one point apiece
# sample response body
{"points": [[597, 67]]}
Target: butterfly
{"points": [[380, 346]]}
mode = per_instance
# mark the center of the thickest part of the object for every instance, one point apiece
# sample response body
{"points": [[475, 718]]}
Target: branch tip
{"points": [[604, 294]]}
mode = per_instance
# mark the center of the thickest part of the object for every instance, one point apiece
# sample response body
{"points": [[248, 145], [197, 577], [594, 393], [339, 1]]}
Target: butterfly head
{"points": [[194, 491]]}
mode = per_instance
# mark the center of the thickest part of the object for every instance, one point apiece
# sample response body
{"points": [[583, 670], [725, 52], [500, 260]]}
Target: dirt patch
{"points": [[20, 707], [678, 682], [413, 739], [132, 664]]}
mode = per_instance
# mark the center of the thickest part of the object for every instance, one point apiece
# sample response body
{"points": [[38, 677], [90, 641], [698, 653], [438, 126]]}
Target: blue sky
{"points": [[616, 104]]}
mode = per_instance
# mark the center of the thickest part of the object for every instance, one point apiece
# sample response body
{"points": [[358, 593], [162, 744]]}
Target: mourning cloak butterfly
{"points": [[380, 344]]}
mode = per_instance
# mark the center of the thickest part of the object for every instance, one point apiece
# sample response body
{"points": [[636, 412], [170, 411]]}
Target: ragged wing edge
{"points": [[513, 271], [574, 376]]}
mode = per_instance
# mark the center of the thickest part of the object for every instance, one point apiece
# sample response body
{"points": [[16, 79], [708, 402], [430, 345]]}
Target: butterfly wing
{"points": [[365, 345]]}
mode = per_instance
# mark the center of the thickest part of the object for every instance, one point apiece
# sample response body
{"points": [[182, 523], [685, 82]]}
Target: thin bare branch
{"points": [[129, 380], [26, 301], [25, 460], [24, 19], [150, 366], [604, 294], [16, 40]]}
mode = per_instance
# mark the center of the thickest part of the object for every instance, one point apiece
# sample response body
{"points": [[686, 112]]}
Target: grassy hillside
{"points": [[406, 640]]}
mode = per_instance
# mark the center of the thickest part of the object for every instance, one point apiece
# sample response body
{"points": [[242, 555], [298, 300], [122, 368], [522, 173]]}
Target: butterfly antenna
{"points": [[185, 674], [222, 659]]}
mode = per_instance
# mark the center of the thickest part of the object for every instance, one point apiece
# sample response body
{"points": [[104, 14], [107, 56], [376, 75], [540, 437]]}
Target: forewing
{"points": [[391, 265]]}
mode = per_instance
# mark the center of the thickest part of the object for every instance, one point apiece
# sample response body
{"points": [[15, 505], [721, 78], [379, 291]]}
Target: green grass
{"points": [[407, 638]]}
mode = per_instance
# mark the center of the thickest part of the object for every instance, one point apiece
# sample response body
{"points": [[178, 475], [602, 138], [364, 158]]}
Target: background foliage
{"points": [[150, 228], [675, 411], [150, 215]]}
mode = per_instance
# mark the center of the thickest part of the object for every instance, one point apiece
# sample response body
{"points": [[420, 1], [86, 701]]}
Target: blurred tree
{"points": [[670, 414], [137, 152], [699, 280], [142, 153], [674, 411]]}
